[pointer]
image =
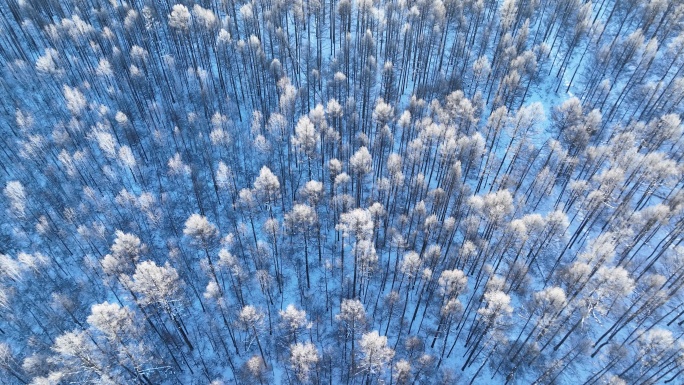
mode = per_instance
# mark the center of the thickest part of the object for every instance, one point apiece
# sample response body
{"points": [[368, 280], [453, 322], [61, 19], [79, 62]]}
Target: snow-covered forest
{"points": [[341, 192]]}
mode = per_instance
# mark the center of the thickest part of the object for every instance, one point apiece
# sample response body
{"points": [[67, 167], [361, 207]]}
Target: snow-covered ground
{"points": [[341, 192]]}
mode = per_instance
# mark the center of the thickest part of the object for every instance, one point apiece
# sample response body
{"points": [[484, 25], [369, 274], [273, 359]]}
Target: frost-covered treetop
{"points": [[111, 319], [155, 284], [126, 246], [48, 62], [551, 298], [494, 206], [361, 162], [342, 179], [266, 182], [334, 109], [15, 193], [199, 228], [410, 264], [498, 306], [383, 112], [301, 214], [452, 282], [352, 312], [250, 316], [293, 318], [358, 222], [375, 353], [302, 357], [204, 16], [179, 17], [75, 100], [313, 191]]}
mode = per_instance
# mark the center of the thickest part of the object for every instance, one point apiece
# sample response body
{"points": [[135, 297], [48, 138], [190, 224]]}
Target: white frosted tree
{"points": [[113, 320], [335, 169], [125, 252], [160, 286], [106, 141], [358, 222], [367, 258], [300, 220], [491, 320], [545, 306], [293, 321], [267, 186], [16, 195], [9, 364], [498, 306], [452, 283], [48, 63], [375, 354], [104, 68], [205, 17], [126, 157], [225, 178], [402, 372], [251, 320], [410, 268], [494, 208], [273, 231], [205, 234], [200, 230], [256, 367], [127, 246], [177, 166], [303, 356], [75, 100], [118, 325], [352, 319], [179, 17], [306, 139], [312, 192], [78, 354], [382, 113], [361, 164], [237, 274]]}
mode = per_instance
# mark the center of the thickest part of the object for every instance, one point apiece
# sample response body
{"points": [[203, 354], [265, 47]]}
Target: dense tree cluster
{"points": [[402, 191]]}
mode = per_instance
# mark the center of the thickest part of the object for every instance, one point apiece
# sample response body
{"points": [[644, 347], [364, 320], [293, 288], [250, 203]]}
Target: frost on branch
{"points": [[125, 252], [155, 284], [75, 100], [452, 283], [498, 306], [301, 215], [361, 162], [302, 357], [179, 17], [305, 137], [267, 184], [48, 62], [352, 313], [293, 320], [15, 193], [205, 17], [358, 222], [111, 319], [200, 229], [375, 354]]}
